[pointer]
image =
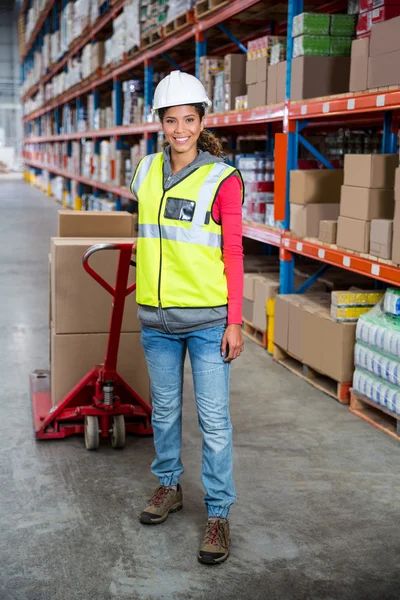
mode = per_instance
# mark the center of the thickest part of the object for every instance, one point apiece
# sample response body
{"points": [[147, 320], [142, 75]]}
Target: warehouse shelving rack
{"points": [[380, 108]]}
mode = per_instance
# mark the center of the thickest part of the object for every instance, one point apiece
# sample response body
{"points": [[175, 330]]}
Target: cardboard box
{"points": [[235, 68], [248, 310], [315, 186], [79, 303], [305, 220], [353, 234], [265, 287], [261, 93], [262, 69], [385, 37], [248, 285], [94, 224], [381, 238], [281, 87], [314, 76], [232, 90], [72, 356], [97, 56], [384, 70], [328, 232], [272, 84], [366, 204], [370, 170], [281, 328], [252, 95], [397, 185], [335, 359], [251, 72], [359, 65]]}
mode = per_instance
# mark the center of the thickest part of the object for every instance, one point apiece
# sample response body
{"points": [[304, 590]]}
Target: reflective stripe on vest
{"points": [[179, 254]]}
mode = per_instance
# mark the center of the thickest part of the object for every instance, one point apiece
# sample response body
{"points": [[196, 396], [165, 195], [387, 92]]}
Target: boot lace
{"points": [[216, 534], [159, 495]]}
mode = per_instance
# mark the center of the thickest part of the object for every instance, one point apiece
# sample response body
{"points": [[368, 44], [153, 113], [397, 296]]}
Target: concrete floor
{"points": [[319, 489]]}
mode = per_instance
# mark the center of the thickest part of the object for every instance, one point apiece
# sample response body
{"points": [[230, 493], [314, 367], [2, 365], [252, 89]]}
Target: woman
{"points": [[189, 291]]}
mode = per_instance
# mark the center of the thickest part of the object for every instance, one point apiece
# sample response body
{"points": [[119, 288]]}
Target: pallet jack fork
{"points": [[101, 403]]}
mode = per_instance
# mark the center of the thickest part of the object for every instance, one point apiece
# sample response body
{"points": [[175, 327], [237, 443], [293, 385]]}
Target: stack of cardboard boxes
{"points": [[367, 194], [396, 223], [209, 67], [303, 324], [80, 309], [234, 79], [258, 72], [314, 197], [375, 60]]}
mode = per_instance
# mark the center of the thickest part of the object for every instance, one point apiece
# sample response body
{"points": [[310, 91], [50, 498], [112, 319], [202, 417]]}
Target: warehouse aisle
{"points": [[318, 488]]}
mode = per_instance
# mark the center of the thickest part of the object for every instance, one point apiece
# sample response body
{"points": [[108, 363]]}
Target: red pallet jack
{"points": [[101, 403]]}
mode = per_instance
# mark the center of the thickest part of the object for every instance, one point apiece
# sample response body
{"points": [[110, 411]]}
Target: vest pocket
{"points": [[179, 209]]}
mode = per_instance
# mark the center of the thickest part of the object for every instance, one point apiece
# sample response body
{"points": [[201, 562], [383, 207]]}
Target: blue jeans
{"points": [[165, 355]]}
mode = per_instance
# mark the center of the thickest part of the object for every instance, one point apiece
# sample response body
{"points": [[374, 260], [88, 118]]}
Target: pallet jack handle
{"points": [[126, 249]]}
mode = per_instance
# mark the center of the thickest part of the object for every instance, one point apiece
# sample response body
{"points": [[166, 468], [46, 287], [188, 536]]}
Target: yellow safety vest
{"points": [[179, 248]]}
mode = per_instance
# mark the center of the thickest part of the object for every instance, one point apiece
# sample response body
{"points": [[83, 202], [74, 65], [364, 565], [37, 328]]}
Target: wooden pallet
{"points": [[204, 7], [179, 23], [150, 39], [335, 389], [374, 414], [254, 334]]}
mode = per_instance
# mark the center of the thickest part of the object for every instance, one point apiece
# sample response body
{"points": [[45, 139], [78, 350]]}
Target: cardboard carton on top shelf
{"points": [[384, 69], [385, 37], [262, 69], [381, 238], [261, 93], [252, 95], [328, 231], [73, 355], [315, 186], [366, 203], [79, 303], [315, 76], [272, 84], [359, 65], [251, 72], [235, 68], [281, 86], [305, 220], [370, 170], [96, 224], [353, 234]]}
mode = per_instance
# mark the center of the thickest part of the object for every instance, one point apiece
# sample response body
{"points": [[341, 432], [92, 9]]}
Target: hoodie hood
{"points": [[203, 158]]}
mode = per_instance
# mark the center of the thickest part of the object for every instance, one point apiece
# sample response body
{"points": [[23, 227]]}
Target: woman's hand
{"points": [[232, 342]]}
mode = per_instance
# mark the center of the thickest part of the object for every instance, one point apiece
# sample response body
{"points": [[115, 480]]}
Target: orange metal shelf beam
{"points": [[113, 189], [262, 233], [263, 114], [347, 104], [345, 260]]}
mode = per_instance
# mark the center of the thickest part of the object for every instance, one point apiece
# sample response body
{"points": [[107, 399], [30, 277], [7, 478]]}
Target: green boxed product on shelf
{"points": [[340, 46], [343, 25], [311, 45], [311, 24]]}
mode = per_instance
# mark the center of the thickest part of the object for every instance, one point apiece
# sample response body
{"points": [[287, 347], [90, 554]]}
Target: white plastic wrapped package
{"points": [[381, 392], [392, 302], [380, 331], [377, 363]]}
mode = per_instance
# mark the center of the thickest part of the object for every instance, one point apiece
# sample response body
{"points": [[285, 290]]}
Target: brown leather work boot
{"points": [[215, 546], [165, 500]]}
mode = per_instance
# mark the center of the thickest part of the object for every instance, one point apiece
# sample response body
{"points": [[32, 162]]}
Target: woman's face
{"points": [[182, 127]]}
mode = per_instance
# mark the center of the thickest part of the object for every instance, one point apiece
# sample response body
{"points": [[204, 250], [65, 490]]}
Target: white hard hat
{"points": [[178, 89]]}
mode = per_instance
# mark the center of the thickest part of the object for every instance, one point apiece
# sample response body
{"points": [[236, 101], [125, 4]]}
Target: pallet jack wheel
{"points": [[118, 432], [92, 433]]}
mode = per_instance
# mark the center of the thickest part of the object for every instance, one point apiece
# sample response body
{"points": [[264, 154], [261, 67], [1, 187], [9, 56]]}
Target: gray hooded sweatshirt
{"points": [[182, 320]]}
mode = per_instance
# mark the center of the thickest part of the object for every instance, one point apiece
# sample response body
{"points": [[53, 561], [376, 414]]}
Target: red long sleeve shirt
{"points": [[227, 210]]}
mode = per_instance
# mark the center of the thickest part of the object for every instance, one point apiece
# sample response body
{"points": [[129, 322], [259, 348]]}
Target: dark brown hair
{"points": [[207, 141]]}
